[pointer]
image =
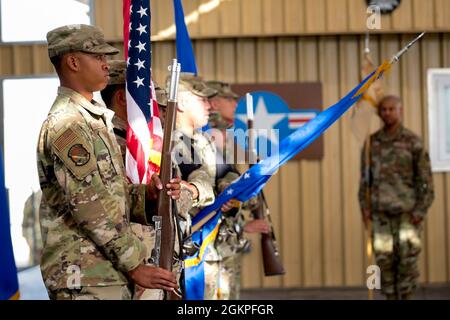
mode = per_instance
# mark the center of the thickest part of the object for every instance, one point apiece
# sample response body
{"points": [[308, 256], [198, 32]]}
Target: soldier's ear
{"points": [[182, 101], [121, 97], [71, 61], [213, 103]]}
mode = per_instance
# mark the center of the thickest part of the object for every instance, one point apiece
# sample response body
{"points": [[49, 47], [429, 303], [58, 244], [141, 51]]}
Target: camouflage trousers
{"points": [[396, 244], [93, 293], [223, 278], [147, 235]]}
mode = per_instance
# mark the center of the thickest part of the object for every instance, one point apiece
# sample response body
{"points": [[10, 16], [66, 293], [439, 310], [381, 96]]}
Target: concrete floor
{"points": [[426, 292], [32, 288]]}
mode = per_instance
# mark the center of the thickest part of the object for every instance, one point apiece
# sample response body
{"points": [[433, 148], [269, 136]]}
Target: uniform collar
{"points": [[389, 137], [93, 107], [119, 123]]}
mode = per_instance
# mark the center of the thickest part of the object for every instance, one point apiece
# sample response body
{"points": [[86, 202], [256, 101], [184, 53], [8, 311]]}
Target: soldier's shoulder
{"points": [[409, 134], [204, 139], [377, 134], [64, 114], [205, 135], [413, 139]]}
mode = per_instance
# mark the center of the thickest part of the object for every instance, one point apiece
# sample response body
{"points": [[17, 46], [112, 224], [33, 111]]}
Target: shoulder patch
{"points": [[75, 152], [78, 154], [66, 139]]}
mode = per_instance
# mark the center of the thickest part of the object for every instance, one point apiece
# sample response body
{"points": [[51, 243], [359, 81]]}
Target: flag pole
{"points": [[397, 56]]}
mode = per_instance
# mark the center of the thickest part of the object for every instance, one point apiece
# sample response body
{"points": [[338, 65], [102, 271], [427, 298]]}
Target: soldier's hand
{"points": [[174, 188], [191, 187], [366, 217], [156, 185], [227, 206], [153, 187], [151, 277], [257, 226]]}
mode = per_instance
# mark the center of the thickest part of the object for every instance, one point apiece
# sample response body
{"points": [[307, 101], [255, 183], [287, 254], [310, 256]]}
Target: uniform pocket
{"points": [[105, 162]]}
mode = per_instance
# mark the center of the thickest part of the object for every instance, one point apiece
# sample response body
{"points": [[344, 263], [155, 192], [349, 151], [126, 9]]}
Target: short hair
{"points": [[56, 61], [387, 98], [108, 93]]}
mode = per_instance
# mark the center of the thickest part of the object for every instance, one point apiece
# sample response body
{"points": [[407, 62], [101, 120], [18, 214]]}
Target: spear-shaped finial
{"points": [[406, 48]]}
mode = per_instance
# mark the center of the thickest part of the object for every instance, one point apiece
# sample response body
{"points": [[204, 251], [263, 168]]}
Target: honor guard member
{"points": [[114, 97], [225, 259], [89, 249], [193, 151], [401, 191]]}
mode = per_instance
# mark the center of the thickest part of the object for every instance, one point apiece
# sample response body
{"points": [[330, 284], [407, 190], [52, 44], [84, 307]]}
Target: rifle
{"points": [[271, 255], [165, 226]]}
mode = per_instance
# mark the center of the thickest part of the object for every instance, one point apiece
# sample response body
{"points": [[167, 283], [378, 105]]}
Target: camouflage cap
{"points": [[77, 37], [196, 85], [161, 95], [117, 71], [223, 89]]}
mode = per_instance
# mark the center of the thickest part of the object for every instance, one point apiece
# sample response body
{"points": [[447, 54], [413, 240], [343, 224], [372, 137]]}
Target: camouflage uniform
{"points": [[401, 187], [31, 229], [224, 258], [88, 243], [146, 233]]}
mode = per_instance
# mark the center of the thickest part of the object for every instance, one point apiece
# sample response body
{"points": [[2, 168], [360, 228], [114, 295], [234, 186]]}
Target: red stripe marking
{"points": [[300, 120], [136, 150]]}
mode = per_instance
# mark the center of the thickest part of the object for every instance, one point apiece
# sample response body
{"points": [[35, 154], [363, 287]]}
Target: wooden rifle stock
{"points": [[273, 265], [165, 202], [271, 256]]}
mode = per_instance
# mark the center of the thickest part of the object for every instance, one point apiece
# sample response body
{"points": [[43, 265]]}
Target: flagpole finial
{"points": [[396, 57]]}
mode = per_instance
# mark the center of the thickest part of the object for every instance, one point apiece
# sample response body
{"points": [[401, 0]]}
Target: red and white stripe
{"points": [[298, 119]]}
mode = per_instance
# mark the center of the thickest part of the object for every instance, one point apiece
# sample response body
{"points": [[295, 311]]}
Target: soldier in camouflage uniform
{"points": [[225, 269], [114, 97], [89, 250], [194, 152], [31, 229], [401, 190]]}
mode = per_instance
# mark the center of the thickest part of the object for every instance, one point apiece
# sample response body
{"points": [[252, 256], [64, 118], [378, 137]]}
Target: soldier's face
{"points": [[391, 112], [226, 107], [198, 110], [93, 71]]}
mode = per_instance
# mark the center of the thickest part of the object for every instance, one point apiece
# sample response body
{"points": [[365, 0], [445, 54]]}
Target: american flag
{"points": [[144, 133]]}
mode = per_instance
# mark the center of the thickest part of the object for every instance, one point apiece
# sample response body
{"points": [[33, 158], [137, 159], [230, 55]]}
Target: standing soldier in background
{"points": [[195, 154], [401, 190], [114, 96], [230, 242], [31, 229], [89, 249]]}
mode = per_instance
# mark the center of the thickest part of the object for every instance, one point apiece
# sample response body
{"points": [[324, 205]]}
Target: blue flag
{"points": [[185, 52], [194, 266], [253, 180], [206, 223], [9, 285]]}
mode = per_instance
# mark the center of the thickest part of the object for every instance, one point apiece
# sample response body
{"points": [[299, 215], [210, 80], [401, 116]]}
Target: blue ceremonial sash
{"points": [[194, 266]]}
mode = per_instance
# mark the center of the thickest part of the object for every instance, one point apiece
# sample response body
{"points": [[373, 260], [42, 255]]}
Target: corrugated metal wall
{"points": [[237, 18], [313, 203]]}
